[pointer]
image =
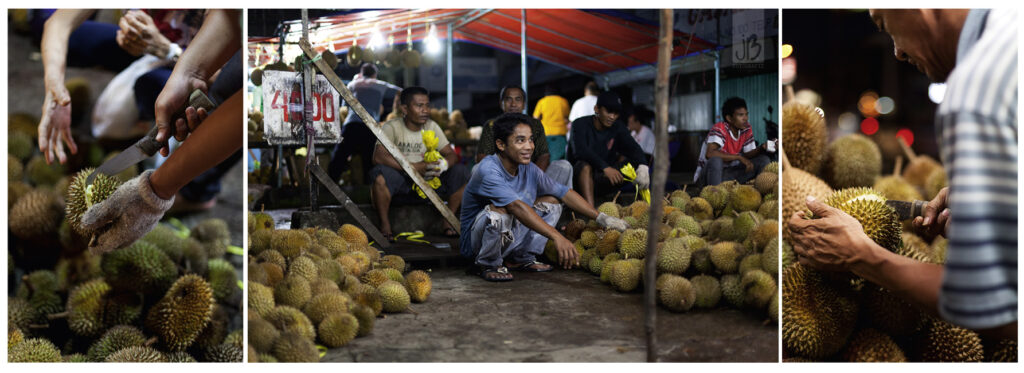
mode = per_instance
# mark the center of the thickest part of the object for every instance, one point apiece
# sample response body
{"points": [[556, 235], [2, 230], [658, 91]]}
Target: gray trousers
{"points": [[495, 236], [716, 172]]}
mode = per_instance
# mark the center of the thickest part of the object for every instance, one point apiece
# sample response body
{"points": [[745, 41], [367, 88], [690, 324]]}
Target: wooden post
{"points": [[661, 161], [371, 123], [307, 116]]}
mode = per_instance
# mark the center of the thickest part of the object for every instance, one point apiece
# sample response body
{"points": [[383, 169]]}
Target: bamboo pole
{"points": [[661, 161]]}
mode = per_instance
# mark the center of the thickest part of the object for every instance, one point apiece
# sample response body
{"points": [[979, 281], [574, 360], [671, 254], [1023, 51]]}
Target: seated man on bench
{"points": [[510, 208], [730, 152]]}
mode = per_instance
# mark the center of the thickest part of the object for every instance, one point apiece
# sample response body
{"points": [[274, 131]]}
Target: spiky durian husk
{"points": [[182, 313], [81, 196], [817, 319], [805, 136], [868, 206]]}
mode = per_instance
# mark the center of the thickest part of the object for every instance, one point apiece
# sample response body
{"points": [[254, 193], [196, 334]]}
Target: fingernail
{"points": [[927, 221], [811, 199]]}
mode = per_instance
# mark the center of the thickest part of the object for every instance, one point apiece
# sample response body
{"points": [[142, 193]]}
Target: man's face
{"points": [[605, 117], [632, 123], [519, 145], [738, 119], [513, 101], [917, 39], [418, 109]]}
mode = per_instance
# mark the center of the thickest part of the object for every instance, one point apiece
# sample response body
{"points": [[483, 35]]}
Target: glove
{"points": [[442, 165], [128, 214], [643, 177], [607, 221], [431, 173]]}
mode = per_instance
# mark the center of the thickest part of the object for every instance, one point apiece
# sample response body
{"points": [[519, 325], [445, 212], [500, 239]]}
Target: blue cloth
{"points": [[556, 147], [491, 184]]}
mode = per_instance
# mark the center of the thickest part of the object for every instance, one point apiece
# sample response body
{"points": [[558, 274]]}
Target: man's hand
{"points": [[643, 177], [138, 34], [55, 124], [746, 163], [833, 242], [129, 213], [613, 175], [935, 220], [609, 222], [567, 255], [174, 96]]}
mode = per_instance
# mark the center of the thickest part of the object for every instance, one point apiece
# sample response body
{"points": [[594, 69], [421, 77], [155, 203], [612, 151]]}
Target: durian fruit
{"points": [[75, 358], [196, 256], [766, 231], [293, 291], [223, 279], [338, 329], [167, 240], [589, 239], [419, 285], [365, 316], [797, 184], [919, 167], [139, 267], [353, 235], [290, 243], [137, 354], [772, 168], [260, 241], [817, 319], [767, 182], [609, 208], [261, 298], [295, 348], [770, 258], [393, 261], [727, 255], [42, 174], [758, 288], [212, 230], [715, 196], [85, 308], [744, 225], [674, 257], [1003, 351], [731, 290], [114, 339], [14, 336], [20, 146], [872, 346], [625, 274], [575, 227], [744, 198], [868, 206], [934, 183], [700, 261], [290, 319], [633, 243], [895, 187], [749, 263], [81, 196], [262, 334], [323, 305], [303, 266], [803, 141], [852, 161], [224, 353], [394, 297], [182, 313], [940, 341], [79, 93], [773, 308], [260, 221], [769, 209], [708, 291], [15, 190], [608, 243], [36, 215], [15, 170], [34, 350], [676, 293]]}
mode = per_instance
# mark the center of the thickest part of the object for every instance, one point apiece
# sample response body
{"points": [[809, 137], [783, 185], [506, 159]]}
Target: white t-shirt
{"points": [[410, 143], [644, 137], [582, 107]]}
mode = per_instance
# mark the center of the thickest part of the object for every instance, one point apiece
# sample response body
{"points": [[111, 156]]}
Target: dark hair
{"points": [[368, 70], [508, 87], [731, 105], [642, 115], [550, 90], [409, 92], [506, 124], [591, 87]]}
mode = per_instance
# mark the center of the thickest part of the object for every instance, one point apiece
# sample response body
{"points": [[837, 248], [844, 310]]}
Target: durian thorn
{"points": [[149, 342], [898, 167], [906, 149], [39, 326], [59, 315]]}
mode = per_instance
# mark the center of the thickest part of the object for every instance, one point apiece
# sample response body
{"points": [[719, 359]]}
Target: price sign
{"points": [[283, 109]]}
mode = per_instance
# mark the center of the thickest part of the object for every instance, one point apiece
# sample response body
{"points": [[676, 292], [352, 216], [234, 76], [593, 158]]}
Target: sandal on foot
{"points": [[531, 266], [492, 274], [451, 233]]}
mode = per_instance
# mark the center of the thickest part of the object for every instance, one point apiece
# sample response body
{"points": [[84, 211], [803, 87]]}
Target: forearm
{"points": [[912, 280], [213, 141], [382, 157], [576, 202], [753, 153], [217, 40], [720, 154], [54, 46], [525, 214]]}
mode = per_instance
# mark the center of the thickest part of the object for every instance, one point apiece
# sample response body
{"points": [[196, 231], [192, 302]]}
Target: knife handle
{"points": [[197, 99], [917, 209]]}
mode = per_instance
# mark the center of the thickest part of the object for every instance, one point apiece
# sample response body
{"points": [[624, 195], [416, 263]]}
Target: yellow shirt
{"points": [[553, 112]]}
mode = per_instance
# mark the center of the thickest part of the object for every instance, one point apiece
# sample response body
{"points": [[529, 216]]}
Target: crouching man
{"points": [[510, 207]]}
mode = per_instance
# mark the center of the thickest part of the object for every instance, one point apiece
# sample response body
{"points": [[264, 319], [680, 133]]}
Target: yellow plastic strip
{"points": [[416, 236], [241, 285], [181, 229], [322, 349], [236, 250]]}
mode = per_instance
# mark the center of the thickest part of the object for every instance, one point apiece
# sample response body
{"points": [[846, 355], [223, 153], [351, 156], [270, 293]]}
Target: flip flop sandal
{"points": [[483, 271], [529, 267]]}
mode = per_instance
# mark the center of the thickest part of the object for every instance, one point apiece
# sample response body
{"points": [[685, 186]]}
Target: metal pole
{"points": [[449, 75], [307, 115], [660, 175], [522, 61], [718, 83]]}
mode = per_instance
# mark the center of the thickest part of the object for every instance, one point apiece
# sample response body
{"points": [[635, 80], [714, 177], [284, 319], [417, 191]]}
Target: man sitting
{"points": [[598, 145], [388, 178], [513, 99], [730, 152], [510, 208]]}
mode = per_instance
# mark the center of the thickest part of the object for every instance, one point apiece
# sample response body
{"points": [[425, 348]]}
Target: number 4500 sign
{"points": [[283, 111]]}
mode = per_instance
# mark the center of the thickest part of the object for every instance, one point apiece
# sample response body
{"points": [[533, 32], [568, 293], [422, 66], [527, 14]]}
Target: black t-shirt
{"points": [[590, 145]]}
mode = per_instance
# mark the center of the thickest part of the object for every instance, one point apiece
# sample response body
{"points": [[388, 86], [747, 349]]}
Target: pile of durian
{"points": [[317, 286], [717, 249], [838, 316], [168, 297]]}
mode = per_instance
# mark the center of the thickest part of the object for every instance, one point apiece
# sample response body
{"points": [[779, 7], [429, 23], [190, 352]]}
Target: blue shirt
{"points": [[491, 184]]}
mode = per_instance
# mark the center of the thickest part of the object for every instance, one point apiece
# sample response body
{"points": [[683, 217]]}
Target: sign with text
{"points": [[283, 110]]}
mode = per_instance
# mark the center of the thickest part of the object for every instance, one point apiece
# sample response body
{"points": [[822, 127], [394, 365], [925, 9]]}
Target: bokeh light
{"points": [[848, 121], [870, 125], [907, 135], [787, 50], [936, 91], [868, 104], [885, 105]]}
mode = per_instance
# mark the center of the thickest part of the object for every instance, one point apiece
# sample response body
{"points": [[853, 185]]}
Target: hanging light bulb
{"points": [[433, 45], [376, 39]]}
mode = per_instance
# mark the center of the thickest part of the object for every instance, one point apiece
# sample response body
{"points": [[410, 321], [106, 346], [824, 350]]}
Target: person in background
{"points": [[639, 122], [584, 106], [553, 112], [601, 146], [356, 138], [730, 153]]}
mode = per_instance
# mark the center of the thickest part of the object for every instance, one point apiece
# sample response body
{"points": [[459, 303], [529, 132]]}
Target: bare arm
{"points": [[382, 157], [55, 122], [448, 153], [576, 202], [713, 151]]}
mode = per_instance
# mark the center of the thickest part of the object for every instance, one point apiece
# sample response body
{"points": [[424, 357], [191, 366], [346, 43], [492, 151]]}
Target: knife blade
{"points": [[907, 209], [147, 145]]}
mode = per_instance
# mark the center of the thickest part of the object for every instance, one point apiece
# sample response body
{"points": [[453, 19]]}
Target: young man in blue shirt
{"points": [[510, 207]]}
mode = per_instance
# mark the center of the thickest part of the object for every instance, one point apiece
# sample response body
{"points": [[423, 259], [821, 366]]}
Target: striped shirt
{"points": [[977, 127], [721, 134]]}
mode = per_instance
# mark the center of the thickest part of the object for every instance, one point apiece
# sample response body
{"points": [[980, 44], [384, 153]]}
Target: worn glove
{"points": [[643, 177], [607, 221], [431, 173], [442, 165], [128, 214]]}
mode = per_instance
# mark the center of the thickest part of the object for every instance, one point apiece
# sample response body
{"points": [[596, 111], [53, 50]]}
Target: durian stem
{"points": [[149, 342], [28, 284], [899, 166], [616, 198], [906, 149], [59, 315], [787, 93], [785, 161], [39, 326]]}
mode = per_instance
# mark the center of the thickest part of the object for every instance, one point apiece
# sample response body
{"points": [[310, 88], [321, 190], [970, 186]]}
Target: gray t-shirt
{"points": [[409, 142], [371, 94]]}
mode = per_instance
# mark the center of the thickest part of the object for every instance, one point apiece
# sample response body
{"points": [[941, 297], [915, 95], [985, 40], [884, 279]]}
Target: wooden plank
{"points": [[347, 203], [371, 123]]}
